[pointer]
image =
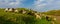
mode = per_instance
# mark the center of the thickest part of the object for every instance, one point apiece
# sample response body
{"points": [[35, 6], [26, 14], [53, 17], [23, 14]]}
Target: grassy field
{"points": [[18, 18]]}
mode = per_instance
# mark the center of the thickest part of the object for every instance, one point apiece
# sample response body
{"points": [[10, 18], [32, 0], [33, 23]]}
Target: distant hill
{"points": [[52, 12]]}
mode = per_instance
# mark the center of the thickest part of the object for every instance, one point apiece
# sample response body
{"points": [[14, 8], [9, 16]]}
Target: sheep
{"points": [[10, 9], [13, 9], [7, 9], [52, 22], [31, 13], [37, 16], [53, 19], [16, 10], [48, 18], [43, 14], [22, 11]]}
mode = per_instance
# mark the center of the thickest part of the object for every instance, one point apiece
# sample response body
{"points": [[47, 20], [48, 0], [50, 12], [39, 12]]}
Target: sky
{"points": [[38, 5]]}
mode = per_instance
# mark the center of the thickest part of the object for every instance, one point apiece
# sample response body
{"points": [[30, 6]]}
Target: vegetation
{"points": [[19, 18], [52, 12]]}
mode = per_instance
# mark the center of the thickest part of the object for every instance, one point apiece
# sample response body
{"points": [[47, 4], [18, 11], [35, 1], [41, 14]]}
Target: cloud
{"points": [[44, 5], [11, 3], [14, 3], [38, 4]]}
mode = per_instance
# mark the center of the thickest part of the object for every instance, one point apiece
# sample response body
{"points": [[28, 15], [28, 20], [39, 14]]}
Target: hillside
{"points": [[55, 13], [20, 18], [52, 12]]}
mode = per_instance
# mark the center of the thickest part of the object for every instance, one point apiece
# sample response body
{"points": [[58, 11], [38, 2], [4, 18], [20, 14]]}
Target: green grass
{"points": [[18, 18]]}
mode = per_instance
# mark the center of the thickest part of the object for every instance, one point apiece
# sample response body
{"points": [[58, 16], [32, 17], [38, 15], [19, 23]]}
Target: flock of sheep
{"points": [[38, 16], [13, 10]]}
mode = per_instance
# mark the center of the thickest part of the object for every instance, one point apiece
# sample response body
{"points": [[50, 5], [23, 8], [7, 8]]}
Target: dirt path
{"points": [[58, 19]]}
